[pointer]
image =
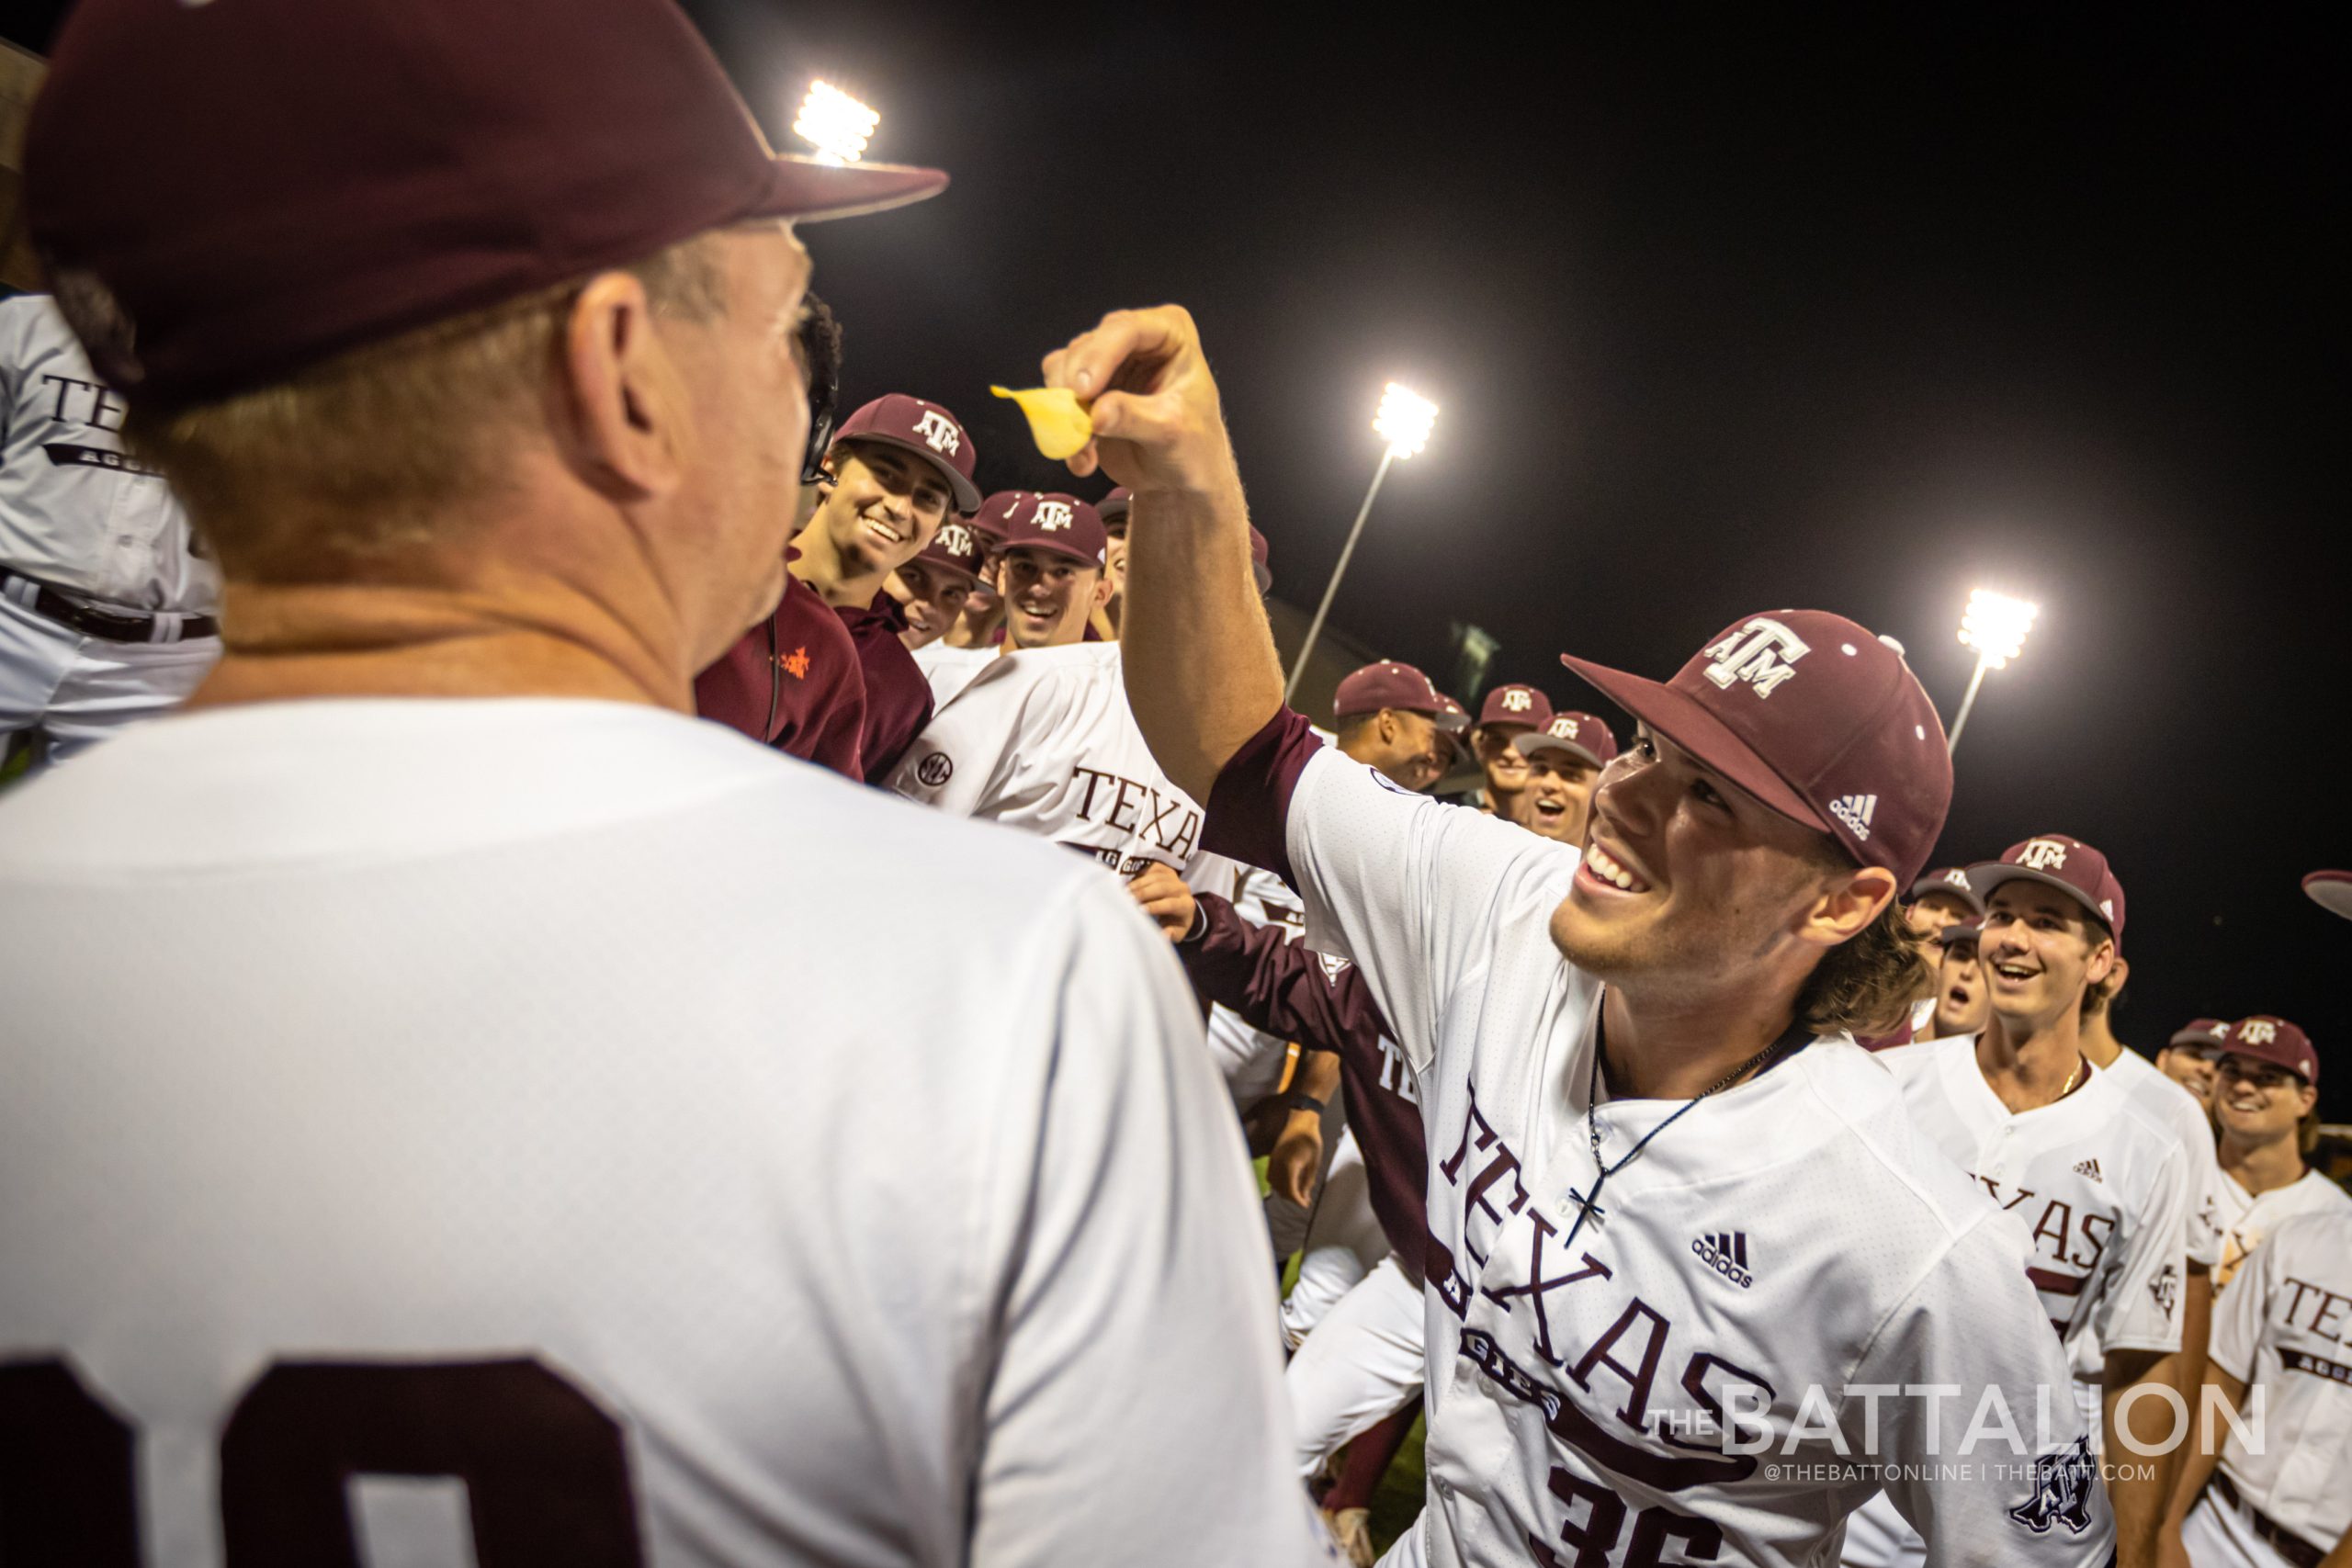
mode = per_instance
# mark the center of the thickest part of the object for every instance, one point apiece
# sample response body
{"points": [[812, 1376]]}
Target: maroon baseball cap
{"points": [[1516, 704], [1816, 718], [957, 547], [2056, 860], [924, 429], [990, 517], [1959, 931], [1113, 509], [225, 194], [1578, 734], [1953, 882], [2332, 891], [2205, 1033], [2267, 1038], [1054, 522], [1389, 684]]}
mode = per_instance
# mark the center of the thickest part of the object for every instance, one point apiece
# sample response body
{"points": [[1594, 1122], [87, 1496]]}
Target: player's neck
{"points": [[2030, 1065], [1677, 1046], [820, 565], [2099, 1043], [2262, 1165], [284, 642]]}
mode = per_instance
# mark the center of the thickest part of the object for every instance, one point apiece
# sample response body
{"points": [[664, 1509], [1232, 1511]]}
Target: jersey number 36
{"points": [[546, 1471]]}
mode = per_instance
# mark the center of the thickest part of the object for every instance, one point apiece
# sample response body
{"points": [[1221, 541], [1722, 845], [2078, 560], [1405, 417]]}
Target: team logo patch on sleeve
{"points": [[2165, 1287], [2062, 1491], [934, 770]]}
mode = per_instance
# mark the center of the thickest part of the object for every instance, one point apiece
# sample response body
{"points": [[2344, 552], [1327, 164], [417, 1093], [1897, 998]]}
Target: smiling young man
{"points": [[2266, 1088], [2190, 1057], [1666, 1197], [931, 589], [2106, 1189], [1563, 762], [1508, 714], [897, 470]]}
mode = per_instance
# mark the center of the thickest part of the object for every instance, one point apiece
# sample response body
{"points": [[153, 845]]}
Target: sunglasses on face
{"points": [[819, 340]]}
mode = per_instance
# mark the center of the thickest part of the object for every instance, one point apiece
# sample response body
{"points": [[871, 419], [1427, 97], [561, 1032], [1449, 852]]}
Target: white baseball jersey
{"points": [[2148, 1088], [75, 511], [560, 1105], [2247, 1217], [950, 670], [1769, 1260], [2286, 1325], [2103, 1189], [1042, 741]]}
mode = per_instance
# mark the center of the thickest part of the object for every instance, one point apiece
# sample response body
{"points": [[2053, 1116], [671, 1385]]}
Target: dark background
{"points": [[1726, 311]]}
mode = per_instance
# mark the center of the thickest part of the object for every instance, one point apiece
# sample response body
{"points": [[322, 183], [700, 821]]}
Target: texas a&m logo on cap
{"points": [[1053, 516], [1957, 878], [1763, 653], [957, 540], [2258, 1032], [938, 431], [2042, 854], [1518, 700], [1564, 727]]}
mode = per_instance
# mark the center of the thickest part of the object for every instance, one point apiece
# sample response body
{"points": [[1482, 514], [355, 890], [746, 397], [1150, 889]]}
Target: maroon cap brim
{"points": [[967, 493], [2332, 891], [807, 191], [1054, 547], [1701, 733], [1992, 873]]}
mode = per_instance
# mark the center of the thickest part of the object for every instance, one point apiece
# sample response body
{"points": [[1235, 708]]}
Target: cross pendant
{"points": [[1588, 1208]]}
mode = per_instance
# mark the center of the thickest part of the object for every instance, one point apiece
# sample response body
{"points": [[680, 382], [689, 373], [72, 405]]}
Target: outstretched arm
{"points": [[1202, 673]]}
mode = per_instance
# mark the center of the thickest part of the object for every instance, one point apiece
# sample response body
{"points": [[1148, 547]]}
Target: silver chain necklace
{"points": [[1588, 1204]]}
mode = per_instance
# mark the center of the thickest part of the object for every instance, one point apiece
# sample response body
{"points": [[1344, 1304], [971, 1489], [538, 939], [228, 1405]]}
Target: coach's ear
{"points": [[1843, 909], [626, 402]]}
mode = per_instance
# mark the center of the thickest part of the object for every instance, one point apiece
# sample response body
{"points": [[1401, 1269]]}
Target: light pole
{"points": [[1994, 626], [1404, 423], [835, 124]]}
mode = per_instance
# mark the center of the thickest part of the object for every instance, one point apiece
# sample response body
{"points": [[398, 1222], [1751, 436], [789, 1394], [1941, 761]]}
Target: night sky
{"points": [[1725, 311]]}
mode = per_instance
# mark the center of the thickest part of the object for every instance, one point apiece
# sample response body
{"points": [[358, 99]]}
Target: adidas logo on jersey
{"points": [[2090, 1167], [1856, 811], [1726, 1252]]}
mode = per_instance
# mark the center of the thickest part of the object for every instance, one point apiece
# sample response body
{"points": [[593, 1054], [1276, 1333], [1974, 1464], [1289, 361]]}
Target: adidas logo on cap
{"points": [[1855, 811]]}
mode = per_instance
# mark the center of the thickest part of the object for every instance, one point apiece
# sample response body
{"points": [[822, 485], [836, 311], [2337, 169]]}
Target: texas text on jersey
{"points": [[1042, 740], [1593, 1370]]}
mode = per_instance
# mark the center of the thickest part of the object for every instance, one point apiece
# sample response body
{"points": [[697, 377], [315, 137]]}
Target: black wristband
{"points": [[1299, 1100]]}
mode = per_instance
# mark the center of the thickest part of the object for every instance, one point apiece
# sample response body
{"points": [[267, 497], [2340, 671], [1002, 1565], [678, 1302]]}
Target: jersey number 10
{"points": [[546, 1471]]}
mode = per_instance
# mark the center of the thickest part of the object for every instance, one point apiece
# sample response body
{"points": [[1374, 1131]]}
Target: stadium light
{"points": [[1404, 423], [835, 124], [1995, 627]]}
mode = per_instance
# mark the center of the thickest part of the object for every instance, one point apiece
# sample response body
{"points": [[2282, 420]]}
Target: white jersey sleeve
{"points": [[1133, 1324], [2139, 1309], [1411, 889], [1960, 1344], [2240, 1312], [969, 758]]}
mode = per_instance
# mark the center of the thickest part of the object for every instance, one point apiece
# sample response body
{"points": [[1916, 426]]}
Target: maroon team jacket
{"points": [[897, 698], [793, 682], [1277, 985]]}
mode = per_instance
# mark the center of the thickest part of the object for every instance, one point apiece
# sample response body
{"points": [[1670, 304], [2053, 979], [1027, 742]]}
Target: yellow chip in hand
{"points": [[1056, 424]]}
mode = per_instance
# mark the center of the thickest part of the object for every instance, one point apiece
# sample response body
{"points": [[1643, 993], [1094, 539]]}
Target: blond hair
{"points": [[363, 456]]}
